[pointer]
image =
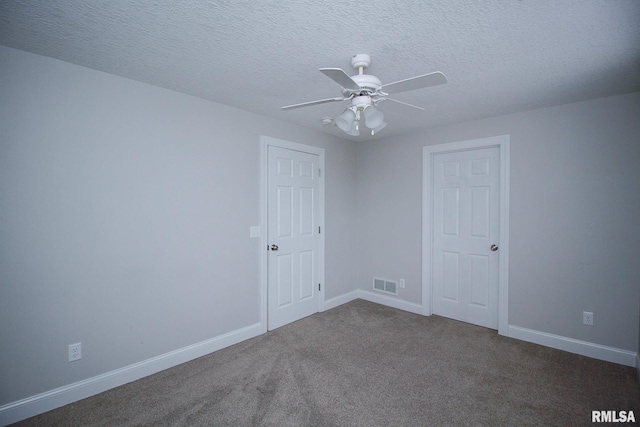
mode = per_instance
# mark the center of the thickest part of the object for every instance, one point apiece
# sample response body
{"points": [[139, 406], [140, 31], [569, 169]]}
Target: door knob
{"points": [[274, 247], [494, 248]]}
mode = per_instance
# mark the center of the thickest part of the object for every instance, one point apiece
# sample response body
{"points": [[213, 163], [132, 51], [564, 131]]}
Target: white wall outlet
{"points": [[401, 283], [75, 352], [587, 318], [254, 231]]}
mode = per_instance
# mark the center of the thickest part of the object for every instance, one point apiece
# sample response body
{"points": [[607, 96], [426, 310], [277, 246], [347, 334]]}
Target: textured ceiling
{"points": [[500, 56]]}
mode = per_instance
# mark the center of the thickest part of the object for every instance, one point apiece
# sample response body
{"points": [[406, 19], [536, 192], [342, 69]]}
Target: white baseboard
{"points": [[373, 297], [339, 300], [38, 404], [389, 301], [584, 348]]}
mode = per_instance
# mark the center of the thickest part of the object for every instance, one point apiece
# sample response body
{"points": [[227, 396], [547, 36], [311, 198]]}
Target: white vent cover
{"points": [[385, 285]]}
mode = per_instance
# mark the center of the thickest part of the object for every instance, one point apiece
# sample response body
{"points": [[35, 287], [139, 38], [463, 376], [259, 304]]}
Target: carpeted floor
{"points": [[362, 364]]}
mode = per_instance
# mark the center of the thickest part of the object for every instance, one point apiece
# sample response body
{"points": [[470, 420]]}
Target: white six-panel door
{"points": [[465, 231], [293, 235]]}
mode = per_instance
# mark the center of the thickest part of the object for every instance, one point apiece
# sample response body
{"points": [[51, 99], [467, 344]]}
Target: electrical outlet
{"points": [[75, 352], [587, 318], [401, 284]]}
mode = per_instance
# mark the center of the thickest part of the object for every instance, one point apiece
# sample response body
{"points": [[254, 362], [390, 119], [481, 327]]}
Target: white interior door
{"points": [[293, 218], [465, 233]]}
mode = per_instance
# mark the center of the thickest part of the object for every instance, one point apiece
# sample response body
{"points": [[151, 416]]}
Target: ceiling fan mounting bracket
{"points": [[361, 60]]}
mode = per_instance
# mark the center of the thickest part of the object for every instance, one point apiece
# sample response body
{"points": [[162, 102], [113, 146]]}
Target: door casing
{"points": [[428, 153], [265, 142]]}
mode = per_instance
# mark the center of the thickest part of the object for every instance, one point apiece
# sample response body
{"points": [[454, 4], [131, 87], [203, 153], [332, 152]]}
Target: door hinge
{"points": [[318, 286], [319, 173], [319, 230]]}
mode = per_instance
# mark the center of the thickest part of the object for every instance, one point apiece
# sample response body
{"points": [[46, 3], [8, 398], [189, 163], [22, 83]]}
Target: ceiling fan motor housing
{"points": [[367, 82]]}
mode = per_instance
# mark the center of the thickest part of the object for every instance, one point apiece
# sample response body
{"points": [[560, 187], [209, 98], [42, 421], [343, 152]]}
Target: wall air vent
{"points": [[385, 285]]}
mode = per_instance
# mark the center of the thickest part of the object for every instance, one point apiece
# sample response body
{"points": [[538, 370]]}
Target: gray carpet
{"points": [[362, 364]]}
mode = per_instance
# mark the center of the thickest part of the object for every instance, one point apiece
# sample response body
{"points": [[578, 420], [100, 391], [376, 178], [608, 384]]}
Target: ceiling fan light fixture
{"points": [[354, 130], [378, 128], [372, 117], [345, 120]]}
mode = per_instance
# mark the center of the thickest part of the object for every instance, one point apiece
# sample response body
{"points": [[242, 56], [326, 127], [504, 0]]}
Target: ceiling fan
{"points": [[365, 91]]}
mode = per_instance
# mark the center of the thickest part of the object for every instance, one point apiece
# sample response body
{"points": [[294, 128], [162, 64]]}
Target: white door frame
{"points": [[428, 153], [265, 143]]}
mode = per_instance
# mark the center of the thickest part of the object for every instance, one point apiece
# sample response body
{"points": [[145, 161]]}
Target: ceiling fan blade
{"points": [[307, 104], [418, 82], [342, 78], [403, 103]]}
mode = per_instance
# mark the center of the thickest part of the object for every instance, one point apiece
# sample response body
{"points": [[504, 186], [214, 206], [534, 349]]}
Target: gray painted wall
{"points": [[125, 213], [574, 215], [124, 220]]}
